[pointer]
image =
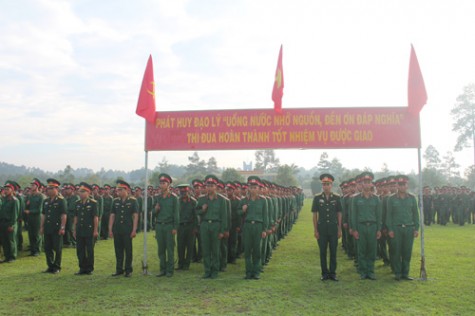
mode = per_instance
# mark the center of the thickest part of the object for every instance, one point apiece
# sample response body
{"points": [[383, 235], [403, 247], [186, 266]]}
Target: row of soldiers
{"points": [[82, 213], [445, 204], [379, 218]]}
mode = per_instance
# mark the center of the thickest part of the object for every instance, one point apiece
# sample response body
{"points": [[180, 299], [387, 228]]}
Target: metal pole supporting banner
{"points": [[145, 211], [423, 273]]}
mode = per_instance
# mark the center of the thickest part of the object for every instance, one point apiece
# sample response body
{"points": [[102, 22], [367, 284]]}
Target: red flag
{"points": [[278, 90], [416, 90], [146, 103]]}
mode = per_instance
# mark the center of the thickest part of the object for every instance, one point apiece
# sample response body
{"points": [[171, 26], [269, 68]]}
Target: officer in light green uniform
{"points": [[21, 216], [33, 210], [366, 226], [107, 206], [85, 226], [53, 225], [167, 208], [212, 209], [327, 215], [9, 212], [254, 208], [403, 224], [187, 228], [123, 228]]}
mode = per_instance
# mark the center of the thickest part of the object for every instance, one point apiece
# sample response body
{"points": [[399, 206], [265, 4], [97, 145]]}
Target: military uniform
{"points": [[402, 221], [9, 212], [123, 219], [107, 206], [86, 221], [54, 219], [186, 229], [327, 210], [71, 201], [34, 204]]}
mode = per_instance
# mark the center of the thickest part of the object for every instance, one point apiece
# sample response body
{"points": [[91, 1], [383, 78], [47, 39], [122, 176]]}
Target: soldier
{"points": [[428, 205], [167, 209], [384, 240], [212, 208], [235, 222], [188, 227], [327, 215], [108, 200], [85, 226], [254, 208], [138, 195], [223, 247], [123, 228], [71, 200], [9, 212], [33, 210], [53, 225], [100, 203], [366, 226], [200, 190], [403, 225]]}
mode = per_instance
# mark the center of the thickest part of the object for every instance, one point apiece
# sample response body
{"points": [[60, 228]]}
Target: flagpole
{"points": [[145, 210], [423, 273]]}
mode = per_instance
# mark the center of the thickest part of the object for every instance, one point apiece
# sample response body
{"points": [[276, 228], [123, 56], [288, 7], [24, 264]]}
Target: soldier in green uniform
{"points": [[100, 203], [33, 210], [327, 215], [167, 208], [384, 240], [235, 222], [200, 190], [85, 232], [138, 195], [71, 200], [223, 247], [9, 212], [188, 227], [212, 209], [123, 228], [366, 226], [403, 225], [254, 208], [427, 202], [53, 225], [104, 223]]}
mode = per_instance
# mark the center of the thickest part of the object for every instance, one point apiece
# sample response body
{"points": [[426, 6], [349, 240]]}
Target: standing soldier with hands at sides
{"points": [[53, 225], [9, 212], [403, 225], [212, 208], [254, 208], [366, 226], [33, 210], [123, 228], [85, 229], [188, 227], [167, 210], [327, 214]]}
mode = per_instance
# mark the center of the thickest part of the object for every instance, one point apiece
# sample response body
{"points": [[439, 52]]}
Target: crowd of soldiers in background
{"points": [[283, 207]]}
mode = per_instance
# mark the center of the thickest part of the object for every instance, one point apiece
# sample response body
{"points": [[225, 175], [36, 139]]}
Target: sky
{"points": [[70, 72]]}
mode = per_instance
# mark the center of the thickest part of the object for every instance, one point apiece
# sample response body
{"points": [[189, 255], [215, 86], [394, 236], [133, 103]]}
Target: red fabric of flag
{"points": [[278, 90], [416, 90], [146, 103]]}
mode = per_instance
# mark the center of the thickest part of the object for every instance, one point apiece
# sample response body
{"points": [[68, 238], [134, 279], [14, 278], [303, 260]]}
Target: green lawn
{"points": [[290, 284]]}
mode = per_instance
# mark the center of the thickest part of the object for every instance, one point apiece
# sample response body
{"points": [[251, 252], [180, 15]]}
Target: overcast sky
{"points": [[70, 71]]}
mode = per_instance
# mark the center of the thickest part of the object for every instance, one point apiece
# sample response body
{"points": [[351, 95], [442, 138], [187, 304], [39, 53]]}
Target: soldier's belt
{"points": [[405, 225], [253, 222]]}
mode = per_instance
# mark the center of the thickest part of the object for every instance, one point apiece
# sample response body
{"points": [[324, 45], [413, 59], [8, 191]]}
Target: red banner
{"points": [[294, 128]]}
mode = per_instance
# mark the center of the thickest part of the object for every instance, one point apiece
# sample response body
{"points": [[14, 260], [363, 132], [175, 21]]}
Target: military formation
{"points": [[208, 221]]}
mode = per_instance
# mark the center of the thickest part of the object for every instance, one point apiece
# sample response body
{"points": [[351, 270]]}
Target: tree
{"points": [[470, 175], [66, 176], [212, 165], [286, 175], [433, 177], [163, 165], [431, 156], [463, 114], [324, 164], [450, 167], [266, 159], [196, 166], [231, 174]]}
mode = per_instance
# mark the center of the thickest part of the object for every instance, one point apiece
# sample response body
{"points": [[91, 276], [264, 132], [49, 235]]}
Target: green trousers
{"points": [[210, 247], [185, 241], [8, 241], [402, 250], [166, 247], [252, 240], [123, 246], [366, 247], [34, 222]]}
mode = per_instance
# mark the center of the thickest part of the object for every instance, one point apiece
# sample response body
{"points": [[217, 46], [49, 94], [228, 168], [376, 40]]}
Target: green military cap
{"points": [[36, 182], [221, 184], [122, 184], [237, 184], [367, 175], [184, 187], [391, 179], [163, 177], [197, 183], [137, 188], [10, 184], [402, 178], [230, 185], [211, 179], [326, 177], [352, 181], [85, 186], [17, 186], [53, 183], [343, 184], [254, 180], [107, 186]]}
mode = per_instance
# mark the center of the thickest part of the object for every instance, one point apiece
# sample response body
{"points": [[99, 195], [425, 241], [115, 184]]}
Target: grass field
{"points": [[290, 284]]}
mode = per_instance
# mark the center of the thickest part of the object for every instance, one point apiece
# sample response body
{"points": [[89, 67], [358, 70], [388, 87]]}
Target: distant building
{"points": [[247, 166]]}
